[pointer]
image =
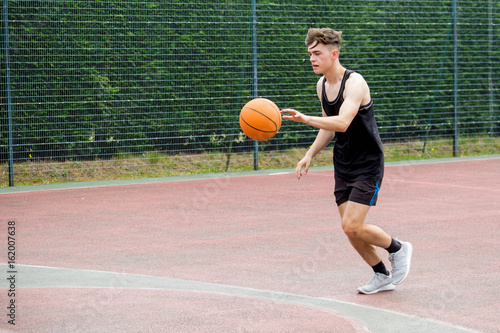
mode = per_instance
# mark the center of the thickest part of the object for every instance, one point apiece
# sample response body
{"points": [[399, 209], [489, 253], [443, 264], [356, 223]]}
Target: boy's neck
{"points": [[335, 74]]}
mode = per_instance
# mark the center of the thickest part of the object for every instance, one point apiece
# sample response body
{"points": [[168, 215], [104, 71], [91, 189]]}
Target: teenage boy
{"points": [[358, 157]]}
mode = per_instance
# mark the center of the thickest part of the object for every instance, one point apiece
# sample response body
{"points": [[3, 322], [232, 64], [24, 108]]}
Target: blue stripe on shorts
{"points": [[377, 188]]}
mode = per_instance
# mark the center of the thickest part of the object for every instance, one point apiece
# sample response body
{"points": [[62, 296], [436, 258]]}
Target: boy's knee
{"points": [[351, 230]]}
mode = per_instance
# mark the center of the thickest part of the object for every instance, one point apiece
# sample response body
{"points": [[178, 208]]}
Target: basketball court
{"points": [[251, 252]]}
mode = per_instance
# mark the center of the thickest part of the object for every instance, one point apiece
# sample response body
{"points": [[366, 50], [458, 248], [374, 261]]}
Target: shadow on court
{"points": [[260, 253]]}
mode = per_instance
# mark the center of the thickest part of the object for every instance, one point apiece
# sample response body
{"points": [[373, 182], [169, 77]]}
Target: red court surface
{"points": [[260, 253]]}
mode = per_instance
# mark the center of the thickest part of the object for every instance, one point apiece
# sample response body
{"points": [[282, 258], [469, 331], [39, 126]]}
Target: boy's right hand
{"points": [[305, 163]]}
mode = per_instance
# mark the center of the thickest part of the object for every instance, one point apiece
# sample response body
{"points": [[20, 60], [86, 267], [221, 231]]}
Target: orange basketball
{"points": [[260, 119]]}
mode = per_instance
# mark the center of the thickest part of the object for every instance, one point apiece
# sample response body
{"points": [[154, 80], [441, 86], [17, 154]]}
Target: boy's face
{"points": [[321, 56]]}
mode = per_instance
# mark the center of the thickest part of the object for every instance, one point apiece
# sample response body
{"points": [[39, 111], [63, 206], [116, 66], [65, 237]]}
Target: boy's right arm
{"points": [[322, 140]]}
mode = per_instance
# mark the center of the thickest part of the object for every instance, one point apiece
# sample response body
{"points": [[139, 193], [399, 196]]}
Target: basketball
{"points": [[260, 119]]}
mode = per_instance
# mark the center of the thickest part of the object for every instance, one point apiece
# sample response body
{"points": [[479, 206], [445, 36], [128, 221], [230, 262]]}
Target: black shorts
{"points": [[363, 192]]}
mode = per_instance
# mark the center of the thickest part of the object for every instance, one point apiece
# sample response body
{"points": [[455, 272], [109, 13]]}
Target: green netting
{"points": [[100, 80]]}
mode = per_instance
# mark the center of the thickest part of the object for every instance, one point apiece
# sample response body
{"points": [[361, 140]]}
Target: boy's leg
{"points": [[363, 237]]}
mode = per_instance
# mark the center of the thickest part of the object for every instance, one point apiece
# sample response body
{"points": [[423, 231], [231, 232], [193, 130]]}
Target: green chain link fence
{"points": [[122, 89]]}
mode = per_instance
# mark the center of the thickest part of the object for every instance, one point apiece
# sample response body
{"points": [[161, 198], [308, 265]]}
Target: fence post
{"points": [[490, 69], [5, 18], [254, 70], [455, 80]]}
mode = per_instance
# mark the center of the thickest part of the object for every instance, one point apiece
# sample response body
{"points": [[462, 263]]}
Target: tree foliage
{"points": [[98, 78]]}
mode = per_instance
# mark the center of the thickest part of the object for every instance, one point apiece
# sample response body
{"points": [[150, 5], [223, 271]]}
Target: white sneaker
{"points": [[380, 282], [401, 262]]}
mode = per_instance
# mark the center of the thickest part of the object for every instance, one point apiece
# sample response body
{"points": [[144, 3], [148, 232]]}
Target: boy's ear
{"points": [[335, 54]]}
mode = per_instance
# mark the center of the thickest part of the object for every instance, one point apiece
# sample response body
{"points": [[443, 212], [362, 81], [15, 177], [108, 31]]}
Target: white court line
{"points": [[375, 319]]}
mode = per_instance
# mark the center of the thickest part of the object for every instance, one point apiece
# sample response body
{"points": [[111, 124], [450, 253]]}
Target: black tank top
{"points": [[358, 154]]}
